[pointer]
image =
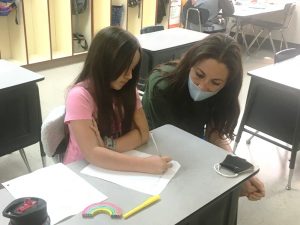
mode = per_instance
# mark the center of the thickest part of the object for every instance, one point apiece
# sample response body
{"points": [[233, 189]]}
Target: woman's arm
{"points": [[214, 138], [253, 188], [94, 153]]}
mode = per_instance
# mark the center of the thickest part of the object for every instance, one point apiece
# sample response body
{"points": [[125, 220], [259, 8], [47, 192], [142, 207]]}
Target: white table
{"points": [[165, 45], [247, 9], [195, 195], [273, 107], [20, 112], [284, 73], [169, 38], [12, 75], [253, 9]]}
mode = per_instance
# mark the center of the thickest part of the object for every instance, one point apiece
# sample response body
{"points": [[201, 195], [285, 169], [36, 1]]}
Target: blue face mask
{"points": [[197, 94]]}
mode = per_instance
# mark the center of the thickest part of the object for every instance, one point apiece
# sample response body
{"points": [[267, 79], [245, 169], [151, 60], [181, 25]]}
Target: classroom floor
{"points": [[277, 208]]}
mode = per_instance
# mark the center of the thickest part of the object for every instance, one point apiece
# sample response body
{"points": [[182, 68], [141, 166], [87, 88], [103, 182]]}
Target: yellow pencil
{"points": [[146, 203]]}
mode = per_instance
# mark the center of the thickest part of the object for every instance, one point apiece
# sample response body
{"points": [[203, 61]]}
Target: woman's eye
{"points": [[199, 75], [216, 83]]}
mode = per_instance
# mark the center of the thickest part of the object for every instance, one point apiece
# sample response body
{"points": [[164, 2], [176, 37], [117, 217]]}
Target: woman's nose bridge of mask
{"points": [[203, 84]]}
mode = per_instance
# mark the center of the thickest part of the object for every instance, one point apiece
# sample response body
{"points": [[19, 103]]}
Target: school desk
{"points": [[163, 46], [245, 10], [195, 195], [20, 110], [273, 107]]}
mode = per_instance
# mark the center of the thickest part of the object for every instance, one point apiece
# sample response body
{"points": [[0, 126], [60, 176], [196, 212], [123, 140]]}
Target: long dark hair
{"points": [[111, 53], [225, 108]]}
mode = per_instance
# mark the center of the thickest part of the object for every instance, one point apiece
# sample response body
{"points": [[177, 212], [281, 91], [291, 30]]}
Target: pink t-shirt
{"points": [[80, 105]]}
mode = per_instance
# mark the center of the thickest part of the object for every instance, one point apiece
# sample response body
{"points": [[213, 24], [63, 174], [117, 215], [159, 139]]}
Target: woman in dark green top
{"points": [[199, 94]]}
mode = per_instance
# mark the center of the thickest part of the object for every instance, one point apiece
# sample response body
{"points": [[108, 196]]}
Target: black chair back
{"points": [[285, 54], [150, 29]]}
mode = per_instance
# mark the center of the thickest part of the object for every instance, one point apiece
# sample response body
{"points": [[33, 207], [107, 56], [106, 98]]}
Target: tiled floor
{"points": [[277, 208]]}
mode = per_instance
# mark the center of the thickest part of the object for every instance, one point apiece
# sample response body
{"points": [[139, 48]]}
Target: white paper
{"points": [[65, 192], [151, 184]]}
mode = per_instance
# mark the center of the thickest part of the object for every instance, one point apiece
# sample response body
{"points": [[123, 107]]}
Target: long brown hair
{"points": [[110, 54], [225, 108]]}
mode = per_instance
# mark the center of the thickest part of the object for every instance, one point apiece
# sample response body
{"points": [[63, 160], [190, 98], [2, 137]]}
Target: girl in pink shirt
{"points": [[103, 110]]}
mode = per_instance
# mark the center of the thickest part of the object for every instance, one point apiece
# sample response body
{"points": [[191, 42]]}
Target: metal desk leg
{"points": [[22, 153], [239, 30]]}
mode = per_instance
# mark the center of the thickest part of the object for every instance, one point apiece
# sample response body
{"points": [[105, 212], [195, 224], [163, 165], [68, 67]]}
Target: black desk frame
{"points": [[273, 109], [150, 59], [21, 119]]}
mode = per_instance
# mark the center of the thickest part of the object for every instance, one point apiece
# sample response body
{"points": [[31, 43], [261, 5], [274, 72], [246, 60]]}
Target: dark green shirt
{"points": [[162, 107]]}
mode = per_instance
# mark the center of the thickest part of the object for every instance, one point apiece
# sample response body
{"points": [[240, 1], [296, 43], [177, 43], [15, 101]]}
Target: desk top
{"points": [[285, 72], [169, 38], [194, 186], [13, 75], [252, 9]]}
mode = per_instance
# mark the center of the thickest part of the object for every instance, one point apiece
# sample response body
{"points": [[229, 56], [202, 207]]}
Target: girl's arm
{"points": [[94, 152], [137, 136]]}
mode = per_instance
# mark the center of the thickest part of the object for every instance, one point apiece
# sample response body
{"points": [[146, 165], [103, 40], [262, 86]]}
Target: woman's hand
{"points": [[157, 165], [253, 189]]}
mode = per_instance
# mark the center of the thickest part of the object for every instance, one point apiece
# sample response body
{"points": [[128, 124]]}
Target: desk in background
{"points": [[273, 107], [196, 194], [246, 10], [163, 46], [20, 111]]}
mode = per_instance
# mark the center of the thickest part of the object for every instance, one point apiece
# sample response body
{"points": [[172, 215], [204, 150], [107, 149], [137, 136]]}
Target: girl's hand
{"points": [[157, 164]]}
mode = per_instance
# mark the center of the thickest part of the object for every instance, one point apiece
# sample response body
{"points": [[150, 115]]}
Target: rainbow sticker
{"points": [[102, 207]]}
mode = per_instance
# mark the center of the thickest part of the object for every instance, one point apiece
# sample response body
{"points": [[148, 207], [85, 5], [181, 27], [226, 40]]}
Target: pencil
{"points": [[146, 203], [152, 137]]}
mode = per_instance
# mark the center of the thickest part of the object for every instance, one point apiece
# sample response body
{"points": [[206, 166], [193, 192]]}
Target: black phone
{"points": [[236, 164]]}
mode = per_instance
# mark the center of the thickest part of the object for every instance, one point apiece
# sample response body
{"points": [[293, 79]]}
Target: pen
{"points": [[152, 137], [146, 203]]}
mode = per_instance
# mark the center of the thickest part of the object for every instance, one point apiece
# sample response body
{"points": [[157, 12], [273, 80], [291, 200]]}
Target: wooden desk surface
{"points": [[169, 38], [285, 72], [13, 75], [194, 186]]}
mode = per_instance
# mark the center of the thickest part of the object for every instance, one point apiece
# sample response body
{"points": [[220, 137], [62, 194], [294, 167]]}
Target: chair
{"points": [[193, 22], [20, 119], [238, 29], [285, 54], [53, 135], [274, 111], [269, 27], [193, 17], [150, 29]]}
